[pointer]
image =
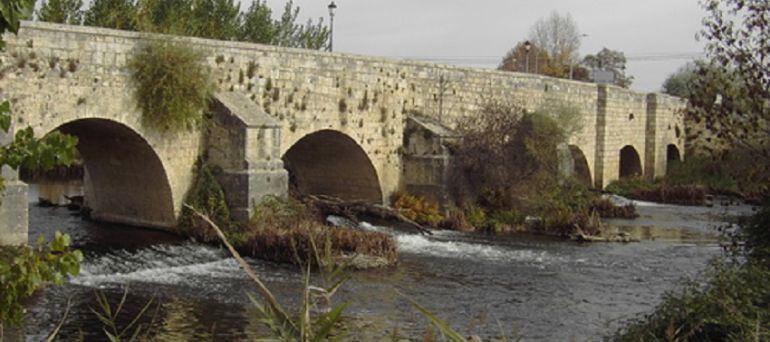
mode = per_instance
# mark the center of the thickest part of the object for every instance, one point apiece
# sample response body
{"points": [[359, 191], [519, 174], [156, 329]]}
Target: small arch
{"points": [[580, 170], [672, 156], [630, 163], [125, 181], [331, 163]]}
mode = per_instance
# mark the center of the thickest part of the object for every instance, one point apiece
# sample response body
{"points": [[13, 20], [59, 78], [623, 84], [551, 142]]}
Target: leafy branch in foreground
{"points": [[23, 270]]}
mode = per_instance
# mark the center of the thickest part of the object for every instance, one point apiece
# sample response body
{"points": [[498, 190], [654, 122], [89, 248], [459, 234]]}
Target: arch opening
{"points": [[123, 179], [630, 163], [672, 156], [580, 170], [330, 163]]}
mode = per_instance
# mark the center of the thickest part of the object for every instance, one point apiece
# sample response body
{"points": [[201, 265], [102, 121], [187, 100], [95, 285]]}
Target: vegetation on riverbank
{"points": [[731, 303], [507, 176], [660, 191], [282, 230]]}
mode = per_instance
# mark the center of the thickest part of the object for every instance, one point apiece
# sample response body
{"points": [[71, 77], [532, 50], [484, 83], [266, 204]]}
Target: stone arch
{"points": [[673, 156], [329, 162], [125, 180], [580, 170], [630, 163]]}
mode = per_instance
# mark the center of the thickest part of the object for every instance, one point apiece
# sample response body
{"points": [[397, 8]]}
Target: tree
{"points": [[215, 19], [289, 33], [164, 16], [737, 34], [519, 59], [678, 83], [257, 25], [559, 36], [61, 11], [116, 14], [610, 60]]}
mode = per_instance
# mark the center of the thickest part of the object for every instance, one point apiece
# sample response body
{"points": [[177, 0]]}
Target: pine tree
{"points": [[61, 11], [117, 14]]}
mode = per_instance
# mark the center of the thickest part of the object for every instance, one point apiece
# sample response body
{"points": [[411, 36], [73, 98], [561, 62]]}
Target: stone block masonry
{"points": [[75, 78]]}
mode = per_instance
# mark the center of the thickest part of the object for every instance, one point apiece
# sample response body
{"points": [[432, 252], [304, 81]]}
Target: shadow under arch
{"points": [[630, 163], [580, 170], [124, 179], [672, 156], [329, 162]]}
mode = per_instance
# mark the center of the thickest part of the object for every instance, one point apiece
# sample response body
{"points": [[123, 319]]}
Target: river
{"points": [[528, 286]]}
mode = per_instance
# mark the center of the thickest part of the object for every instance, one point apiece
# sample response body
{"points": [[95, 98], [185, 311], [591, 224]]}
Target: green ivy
{"points": [[207, 196]]}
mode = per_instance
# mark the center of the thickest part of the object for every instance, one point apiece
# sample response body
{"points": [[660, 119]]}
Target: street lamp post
{"points": [[527, 47], [332, 7]]}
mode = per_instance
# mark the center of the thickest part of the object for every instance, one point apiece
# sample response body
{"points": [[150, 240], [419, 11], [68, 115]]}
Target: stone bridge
{"points": [[329, 123]]}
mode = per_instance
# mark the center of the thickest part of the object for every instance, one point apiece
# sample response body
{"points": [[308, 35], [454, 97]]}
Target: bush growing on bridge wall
{"points": [[172, 84]]}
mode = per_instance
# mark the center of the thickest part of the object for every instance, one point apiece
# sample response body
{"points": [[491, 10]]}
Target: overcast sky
{"points": [[657, 36]]}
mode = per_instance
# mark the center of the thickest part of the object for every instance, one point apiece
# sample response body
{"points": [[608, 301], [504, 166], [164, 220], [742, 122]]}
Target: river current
{"points": [[533, 287]]}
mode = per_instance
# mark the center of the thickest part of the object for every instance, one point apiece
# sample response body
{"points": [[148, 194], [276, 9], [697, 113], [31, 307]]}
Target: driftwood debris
{"points": [[353, 210]]}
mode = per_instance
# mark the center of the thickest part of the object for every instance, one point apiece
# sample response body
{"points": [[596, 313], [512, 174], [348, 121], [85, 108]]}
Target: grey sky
{"points": [[478, 33]]}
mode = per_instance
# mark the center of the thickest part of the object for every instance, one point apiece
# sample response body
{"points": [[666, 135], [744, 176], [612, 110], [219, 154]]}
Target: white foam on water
{"points": [[419, 244], [161, 264]]}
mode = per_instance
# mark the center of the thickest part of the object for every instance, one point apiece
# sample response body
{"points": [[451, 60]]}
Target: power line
{"points": [[497, 59]]}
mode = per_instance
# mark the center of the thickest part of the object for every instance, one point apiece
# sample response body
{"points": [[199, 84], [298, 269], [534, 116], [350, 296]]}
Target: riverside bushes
{"points": [[731, 304], [172, 84], [508, 168]]}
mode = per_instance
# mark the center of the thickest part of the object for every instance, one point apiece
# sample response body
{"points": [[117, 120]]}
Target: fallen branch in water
{"points": [[329, 205], [263, 290]]}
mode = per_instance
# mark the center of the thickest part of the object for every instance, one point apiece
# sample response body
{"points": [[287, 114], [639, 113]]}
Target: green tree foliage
{"points": [[172, 84], [737, 34], [61, 11], [610, 60], [117, 14], [678, 83], [257, 26], [23, 270], [216, 19], [164, 16]]}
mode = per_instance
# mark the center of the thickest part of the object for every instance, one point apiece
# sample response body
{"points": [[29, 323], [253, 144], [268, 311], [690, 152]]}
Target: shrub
{"points": [[172, 85], [626, 187], [606, 209], [284, 230], [732, 306], [417, 209], [207, 196]]}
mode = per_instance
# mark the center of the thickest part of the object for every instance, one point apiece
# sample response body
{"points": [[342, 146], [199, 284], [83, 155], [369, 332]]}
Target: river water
{"points": [[533, 287]]}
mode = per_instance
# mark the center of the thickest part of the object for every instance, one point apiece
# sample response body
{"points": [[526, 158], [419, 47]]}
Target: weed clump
{"points": [[417, 209], [172, 84]]}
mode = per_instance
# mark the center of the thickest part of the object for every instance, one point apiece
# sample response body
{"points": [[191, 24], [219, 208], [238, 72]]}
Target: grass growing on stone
{"points": [[172, 84]]}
